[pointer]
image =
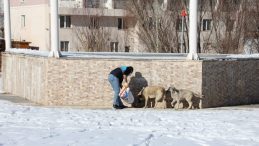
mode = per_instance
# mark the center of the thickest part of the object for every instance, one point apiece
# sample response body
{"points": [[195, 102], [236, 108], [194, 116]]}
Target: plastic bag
{"points": [[127, 96]]}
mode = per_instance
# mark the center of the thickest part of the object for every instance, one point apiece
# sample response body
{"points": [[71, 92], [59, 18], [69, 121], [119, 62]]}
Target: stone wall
{"points": [[84, 81], [25, 76], [226, 83]]}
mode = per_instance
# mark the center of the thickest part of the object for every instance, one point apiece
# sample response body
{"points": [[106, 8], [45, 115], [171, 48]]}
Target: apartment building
{"points": [[106, 25], [80, 19], [30, 22], [104, 20]]}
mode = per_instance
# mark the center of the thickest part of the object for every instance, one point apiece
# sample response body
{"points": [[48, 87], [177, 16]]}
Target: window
{"points": [[94, 22], [114, 46], [64, 46], [65, 21], [127, 48], [93, 3], [120, 23], [22, 21], [206, 24], [120, 4], [230, 24], [150, 23]]}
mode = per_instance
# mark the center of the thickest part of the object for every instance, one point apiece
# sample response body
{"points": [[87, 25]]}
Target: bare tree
{"points": [[227, 33], [156, 27], [1, 25], [92, 36], [230, 24], [1, 30], [1, 18], [251, 41]]}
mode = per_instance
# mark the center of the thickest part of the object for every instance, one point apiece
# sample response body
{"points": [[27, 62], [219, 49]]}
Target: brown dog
{"points": [[156, 92]]}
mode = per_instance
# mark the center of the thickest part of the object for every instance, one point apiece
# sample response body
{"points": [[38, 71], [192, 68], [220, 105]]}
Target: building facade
{"points": [[107, 25], [30, 22], [79, 19]]}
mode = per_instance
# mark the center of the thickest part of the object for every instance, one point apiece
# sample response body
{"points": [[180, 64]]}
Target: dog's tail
{"points": [[198, 95]]}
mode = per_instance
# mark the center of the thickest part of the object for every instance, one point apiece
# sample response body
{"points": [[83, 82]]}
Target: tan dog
{"points": [[156, 92], [182, 94]]}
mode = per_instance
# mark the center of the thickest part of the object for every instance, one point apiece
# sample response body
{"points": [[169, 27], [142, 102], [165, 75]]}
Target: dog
{"points": [[155, 92], [182, 94]]}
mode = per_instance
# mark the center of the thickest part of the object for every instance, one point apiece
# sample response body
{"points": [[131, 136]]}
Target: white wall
{"points": [[37, 28]]}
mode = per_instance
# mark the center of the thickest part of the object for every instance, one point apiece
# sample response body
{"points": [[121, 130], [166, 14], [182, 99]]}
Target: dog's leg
{"points": [[164, 102], [190, 104], [155, 104], [172, 103], [146, 100], [178, 104], [200, 104]]}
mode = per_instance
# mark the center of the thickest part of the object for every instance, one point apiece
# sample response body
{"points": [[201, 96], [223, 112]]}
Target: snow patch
{"points": [[34, 125]]}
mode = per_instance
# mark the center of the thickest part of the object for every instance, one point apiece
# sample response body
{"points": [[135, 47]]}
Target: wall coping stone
{"points": [[135, 55]]}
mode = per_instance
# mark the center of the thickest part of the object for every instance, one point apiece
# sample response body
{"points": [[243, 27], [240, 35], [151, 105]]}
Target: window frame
{"points": [[120, 23], [66, 45], [23, 21], [66, 21], [114, 46], [206, 24], [94, 23], [179, 25]]}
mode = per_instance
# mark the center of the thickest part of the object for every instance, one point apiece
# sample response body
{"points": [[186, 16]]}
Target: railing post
{"points": [[54, 29]]}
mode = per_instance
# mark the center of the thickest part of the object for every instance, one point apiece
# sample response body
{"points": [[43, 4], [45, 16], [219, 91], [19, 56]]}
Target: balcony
{"points": [[120, 4], [106, 4], [93, 12]]}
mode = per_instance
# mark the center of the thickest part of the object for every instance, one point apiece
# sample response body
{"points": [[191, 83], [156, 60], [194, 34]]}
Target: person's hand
{"points": [[125, 85]]}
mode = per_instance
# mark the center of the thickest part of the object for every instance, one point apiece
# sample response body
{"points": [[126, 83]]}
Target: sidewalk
{"points": [[22, 101], [15, 99]]}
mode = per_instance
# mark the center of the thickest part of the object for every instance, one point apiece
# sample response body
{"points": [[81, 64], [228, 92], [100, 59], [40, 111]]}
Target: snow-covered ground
{"points": [[23, 125]]}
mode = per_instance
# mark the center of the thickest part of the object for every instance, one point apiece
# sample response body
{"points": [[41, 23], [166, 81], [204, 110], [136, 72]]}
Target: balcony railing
{"points": [[70, 4], [115, 4], [93, 4], [120, 4]]}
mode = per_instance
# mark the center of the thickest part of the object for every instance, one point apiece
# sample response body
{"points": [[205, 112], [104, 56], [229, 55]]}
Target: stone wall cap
{"points": [[135, 55]]}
